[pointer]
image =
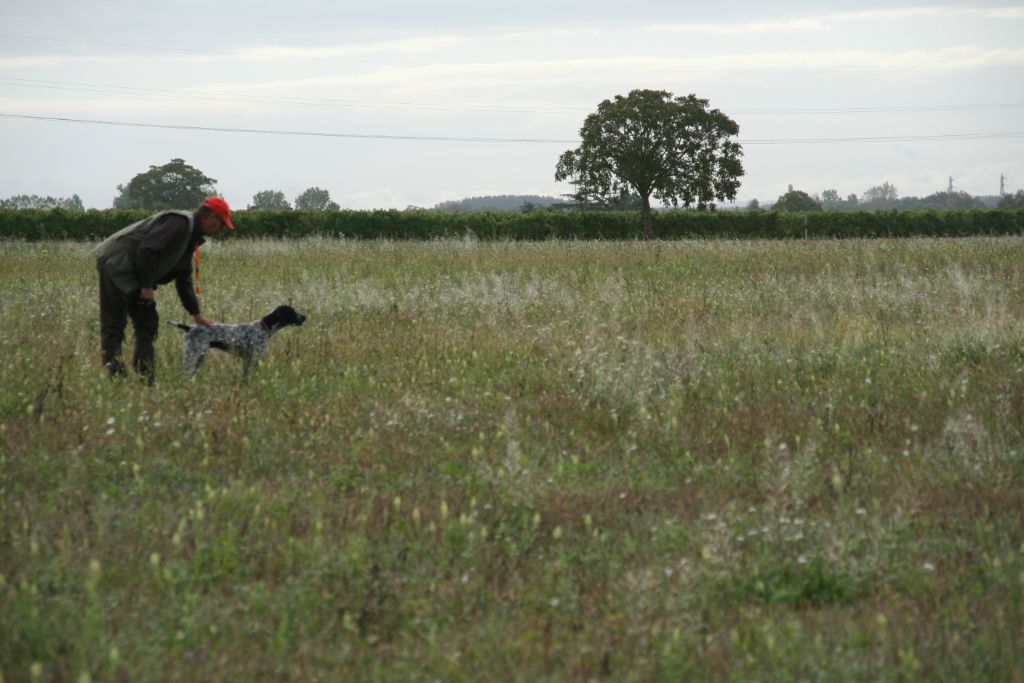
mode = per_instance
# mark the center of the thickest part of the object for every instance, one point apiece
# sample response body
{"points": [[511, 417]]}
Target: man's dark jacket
{"points": [[153, 252]]}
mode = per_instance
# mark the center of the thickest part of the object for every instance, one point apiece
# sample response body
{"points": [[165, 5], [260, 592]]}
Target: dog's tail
{"points": [[180, 326]]}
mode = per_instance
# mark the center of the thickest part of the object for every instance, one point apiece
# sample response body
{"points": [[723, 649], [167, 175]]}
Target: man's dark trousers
{"points": [[115, 309]]}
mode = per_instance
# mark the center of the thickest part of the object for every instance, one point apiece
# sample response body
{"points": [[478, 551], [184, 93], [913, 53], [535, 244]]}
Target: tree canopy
{"points": [[269, 200], [650, 143], [882, 196], [796, 200], [175, 185], [832, 201], [315, 199]]}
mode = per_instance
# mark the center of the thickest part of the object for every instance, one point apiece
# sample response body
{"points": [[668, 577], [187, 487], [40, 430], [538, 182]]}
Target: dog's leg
{"points": [[191, 364], [249, 362], [195, 354], [251, 359], [200, 359], [188, 362]]}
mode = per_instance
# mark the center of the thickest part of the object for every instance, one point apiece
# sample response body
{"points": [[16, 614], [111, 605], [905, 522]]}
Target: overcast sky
{"points": [[369, 84]]}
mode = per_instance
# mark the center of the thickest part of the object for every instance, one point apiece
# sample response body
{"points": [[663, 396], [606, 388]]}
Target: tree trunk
{"points": [[648, 219]]}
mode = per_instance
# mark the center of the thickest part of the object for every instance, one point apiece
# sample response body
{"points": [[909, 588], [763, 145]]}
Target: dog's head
{"points": [[284, 316]]}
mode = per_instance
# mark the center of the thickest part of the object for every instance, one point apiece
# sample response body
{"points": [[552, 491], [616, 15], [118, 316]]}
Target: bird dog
{"points": [[248, 341]]}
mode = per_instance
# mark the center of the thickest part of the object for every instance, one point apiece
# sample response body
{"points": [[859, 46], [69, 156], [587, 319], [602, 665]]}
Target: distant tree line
{"points": [[884, 197], [178, 185], [503, 202], [311, 199], [32, 201]]}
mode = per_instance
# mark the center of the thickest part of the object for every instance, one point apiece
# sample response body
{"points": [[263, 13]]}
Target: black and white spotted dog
{"points": [[248, 341]]}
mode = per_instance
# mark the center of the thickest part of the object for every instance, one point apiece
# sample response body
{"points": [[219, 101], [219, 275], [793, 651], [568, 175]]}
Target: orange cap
{"points": [[221, 208]]}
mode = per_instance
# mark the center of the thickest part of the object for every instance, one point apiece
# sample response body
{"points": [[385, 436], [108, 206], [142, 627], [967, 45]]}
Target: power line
{"points": [[366, 136], [371, 136], [486, 108]]}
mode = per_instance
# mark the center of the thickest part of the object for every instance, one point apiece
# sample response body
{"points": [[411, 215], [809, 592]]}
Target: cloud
{"points": [[387, 47], [829, 22], [743, 28], [515, 85], [30, 62], [412, 49], [930, 12], [555, 73]]}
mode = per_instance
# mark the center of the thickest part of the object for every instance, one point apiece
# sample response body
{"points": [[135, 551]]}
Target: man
{"points": [[133, 261]]}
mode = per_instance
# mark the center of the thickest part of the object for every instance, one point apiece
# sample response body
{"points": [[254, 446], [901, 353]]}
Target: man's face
{"points": [[212, 224]]}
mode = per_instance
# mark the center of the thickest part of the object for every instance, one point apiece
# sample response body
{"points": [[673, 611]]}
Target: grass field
{"points": [[526, 461]]}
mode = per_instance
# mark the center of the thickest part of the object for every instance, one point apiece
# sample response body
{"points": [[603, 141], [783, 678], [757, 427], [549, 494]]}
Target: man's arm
{"points": [[187, 294]]}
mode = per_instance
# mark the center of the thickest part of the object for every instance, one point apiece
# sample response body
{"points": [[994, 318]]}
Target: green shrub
{"points": [[40, 224]]}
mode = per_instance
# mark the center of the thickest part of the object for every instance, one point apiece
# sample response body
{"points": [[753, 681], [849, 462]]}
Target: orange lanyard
{"points": [[199, 289]]}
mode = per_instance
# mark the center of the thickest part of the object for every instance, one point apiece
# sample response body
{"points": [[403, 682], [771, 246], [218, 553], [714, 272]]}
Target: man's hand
{"points": [[202, 320], [147, 295]]}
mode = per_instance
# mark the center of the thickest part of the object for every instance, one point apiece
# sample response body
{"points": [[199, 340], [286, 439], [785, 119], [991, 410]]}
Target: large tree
{"points": [[175, 185], [651, 143], [269, 200], [315, 199]]}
